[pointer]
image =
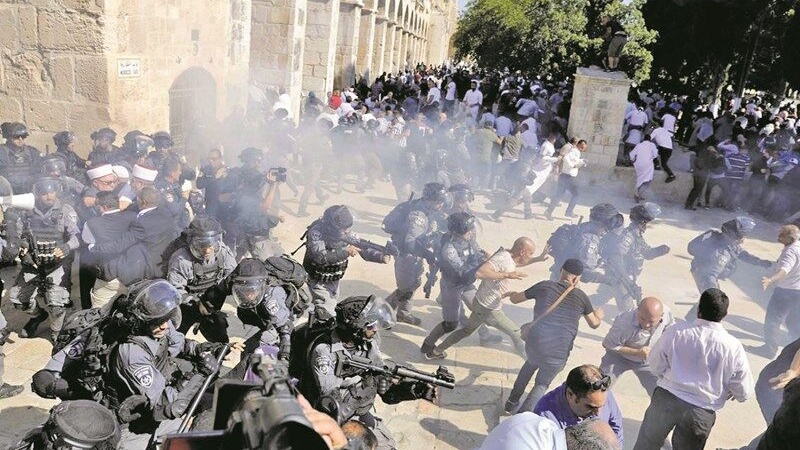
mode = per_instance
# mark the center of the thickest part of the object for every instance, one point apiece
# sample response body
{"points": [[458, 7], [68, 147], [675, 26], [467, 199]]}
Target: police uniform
{"points": [[43, 275], [144, 366], [173, 200], [716, 257], [624, 254], [459, 260], [326, 260], [192, 277], [20, 166], [353, 390], [424, 226], [254, 225], [273, 319]]}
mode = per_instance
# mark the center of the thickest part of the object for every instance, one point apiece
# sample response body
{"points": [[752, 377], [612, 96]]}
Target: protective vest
{"points": [[205, 275], [20, 171], [46, 234], [331, 271]]}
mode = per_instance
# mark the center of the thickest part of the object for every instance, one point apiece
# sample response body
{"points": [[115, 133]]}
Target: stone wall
{"points": [[52, 70]]}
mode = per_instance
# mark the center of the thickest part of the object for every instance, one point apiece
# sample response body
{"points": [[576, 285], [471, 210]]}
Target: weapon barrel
{"points": [[405, 372], [196, 401]]}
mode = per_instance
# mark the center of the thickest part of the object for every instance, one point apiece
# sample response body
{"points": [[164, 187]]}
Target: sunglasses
{"points": [[19, 136], [602, 384]]}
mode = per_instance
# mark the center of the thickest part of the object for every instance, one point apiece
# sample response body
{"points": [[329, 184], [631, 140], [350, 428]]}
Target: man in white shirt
{"points": [[785, 300], [570, 164], [434, 94], [699, 366], [662, 137], [473, 99], [642, 157], [527, 107], [636, 121], [495, 274], [450, 95]]}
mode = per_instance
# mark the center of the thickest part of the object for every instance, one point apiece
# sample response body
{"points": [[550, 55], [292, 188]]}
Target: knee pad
{"points": [[449, 326]]}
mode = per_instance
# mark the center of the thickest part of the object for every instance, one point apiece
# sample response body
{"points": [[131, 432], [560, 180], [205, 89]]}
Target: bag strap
{"points": [[555, 304]]}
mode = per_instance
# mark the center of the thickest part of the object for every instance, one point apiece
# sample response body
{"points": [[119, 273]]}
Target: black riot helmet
{"points": [[47, 185], [460, 222], [53, 166], [644, 213], [249, 283], [607, 214], [338, 217], [356, 314], [738, 228], [104, 133], [81, 424], [5, 129], [137, 144], [18, 129], [461, 193], [153, 302], [251, 156], [162, 139], [434, 193], [204, 233], [63, 138]]}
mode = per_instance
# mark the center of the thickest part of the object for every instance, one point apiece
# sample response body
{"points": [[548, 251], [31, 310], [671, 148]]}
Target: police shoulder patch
{"points": [[75, 350], [144, 375], [272, 307], [323, 363]]}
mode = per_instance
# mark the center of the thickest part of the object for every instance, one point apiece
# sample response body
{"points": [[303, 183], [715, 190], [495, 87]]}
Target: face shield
{"points": [[248, 292], [157, 303], [378, 315], [205, 247]]}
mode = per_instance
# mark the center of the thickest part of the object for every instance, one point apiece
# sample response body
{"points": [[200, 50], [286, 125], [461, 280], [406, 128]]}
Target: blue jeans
{"points": [[565, 183]]}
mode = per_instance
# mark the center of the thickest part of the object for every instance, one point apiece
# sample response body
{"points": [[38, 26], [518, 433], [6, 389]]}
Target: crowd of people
{"points": [[160, 245]]}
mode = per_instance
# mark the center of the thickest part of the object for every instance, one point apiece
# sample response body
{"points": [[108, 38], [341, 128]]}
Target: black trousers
{"points": [[692, 424], [664, 154], [697, 188]]}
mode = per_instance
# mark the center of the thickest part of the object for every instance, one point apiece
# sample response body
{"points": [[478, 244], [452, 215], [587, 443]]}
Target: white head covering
{"points": [[121, 172], [144, 173], [525, 431], [100, 171]]}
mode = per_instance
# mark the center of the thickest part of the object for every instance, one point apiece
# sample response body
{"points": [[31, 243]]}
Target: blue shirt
{"points": [[554, 406]]}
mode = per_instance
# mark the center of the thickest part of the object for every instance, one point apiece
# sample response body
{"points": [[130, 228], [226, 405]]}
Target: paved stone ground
{"points": [[485, 374]]}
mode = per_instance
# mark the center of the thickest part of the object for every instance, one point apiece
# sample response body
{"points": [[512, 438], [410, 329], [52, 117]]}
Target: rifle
{"points": [[442, 377], [628, 285], [433, 269], [388, 249]]}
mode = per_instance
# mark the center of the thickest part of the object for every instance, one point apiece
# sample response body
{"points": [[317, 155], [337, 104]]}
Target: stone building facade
{"points": [[183, 65]]}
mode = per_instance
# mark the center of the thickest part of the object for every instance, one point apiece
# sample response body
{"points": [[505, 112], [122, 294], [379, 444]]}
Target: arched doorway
{"points": [[193, 112]]}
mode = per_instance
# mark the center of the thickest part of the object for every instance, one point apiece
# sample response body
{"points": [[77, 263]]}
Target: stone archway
{"points": [[193, 112]]}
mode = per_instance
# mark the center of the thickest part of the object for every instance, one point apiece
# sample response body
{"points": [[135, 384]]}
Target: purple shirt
{"points": [[554, 406]]}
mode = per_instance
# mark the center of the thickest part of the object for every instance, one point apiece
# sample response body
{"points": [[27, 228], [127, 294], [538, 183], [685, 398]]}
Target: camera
{"points": [[279, 173]]}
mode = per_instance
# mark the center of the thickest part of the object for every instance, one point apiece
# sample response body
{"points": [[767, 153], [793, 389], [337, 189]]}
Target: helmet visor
{"points": [[248, 292], [204, 247], [378, 315], [157, 303], [47, 185]]}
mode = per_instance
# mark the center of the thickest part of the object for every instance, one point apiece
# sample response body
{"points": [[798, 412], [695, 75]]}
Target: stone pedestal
{"points": [[597, 114], [319, 56], [347, 42], [366, 40]]}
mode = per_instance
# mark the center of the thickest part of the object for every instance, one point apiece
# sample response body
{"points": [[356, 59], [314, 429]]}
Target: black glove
{"points": [[47, 384], [409, 390], [284, 348], [367, 388], [208, 347], [208, 364], [127, 409]]}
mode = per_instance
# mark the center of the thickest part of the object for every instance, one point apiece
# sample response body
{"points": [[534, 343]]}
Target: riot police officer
{"points": [[75, 424], [201, 262], [582, 242], [716, 254], [170, 183], [327, 377], [148, 395], [624, 253], [263, 305], [416, 235], [162, 142], [104, 151], [19, 162], [329, 246], [45, 237], [461, 196], [54, 166], [65, 149], [459, 258]]}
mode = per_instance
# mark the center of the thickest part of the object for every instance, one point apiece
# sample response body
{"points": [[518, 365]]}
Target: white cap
{"points": [[144, 173], [121, 172], [100, 171]]}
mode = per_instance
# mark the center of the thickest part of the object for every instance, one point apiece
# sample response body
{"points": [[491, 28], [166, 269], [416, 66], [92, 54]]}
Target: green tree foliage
{"points": [[549, 36]]}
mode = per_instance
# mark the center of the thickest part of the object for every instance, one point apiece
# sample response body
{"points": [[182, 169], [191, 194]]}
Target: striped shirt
{"points": [[736, 166]]}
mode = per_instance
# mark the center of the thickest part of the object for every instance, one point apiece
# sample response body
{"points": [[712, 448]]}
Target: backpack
{"points": [[304, 339], [563, 241], [283, 270], [395, 222], [101, 333], [179, 242]]}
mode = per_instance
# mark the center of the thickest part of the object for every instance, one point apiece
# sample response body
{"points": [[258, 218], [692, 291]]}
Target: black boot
{"points": [[29, 330]]}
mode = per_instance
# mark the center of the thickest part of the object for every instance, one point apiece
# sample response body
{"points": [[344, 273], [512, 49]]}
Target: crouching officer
{"points": [[262, 305], [45, 237], [145, 391], [347, 392], [329, 246], [77, 424], [203, 261]]}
